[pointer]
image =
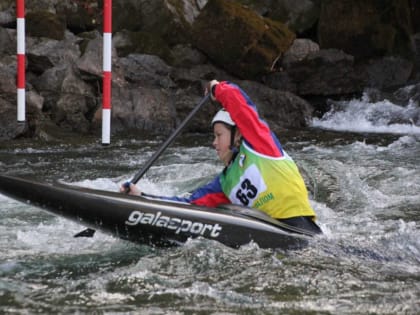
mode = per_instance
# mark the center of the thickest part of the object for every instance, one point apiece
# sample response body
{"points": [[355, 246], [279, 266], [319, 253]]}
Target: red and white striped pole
{"points": [[106, 82], [20, 80]]}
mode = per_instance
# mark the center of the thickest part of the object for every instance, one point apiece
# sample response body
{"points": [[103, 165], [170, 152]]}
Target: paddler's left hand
{"points": [[133, 190]]}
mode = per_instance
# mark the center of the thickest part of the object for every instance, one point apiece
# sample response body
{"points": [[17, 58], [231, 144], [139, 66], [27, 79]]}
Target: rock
{"points": [[7, 81], [69, 100], [49, 83], [140, 108], [7, 42], [71, 113], [324, 72], [299, 50], [186, 56], [169, 20], [127, 42], [186, 100], [299, 15], [9, 127], [365, 29], [185, 77], [416, 48], [80, 16], [45, 24], [280, 109], [239, 40], [415, 15], [408, 95], [77, 103], [90, 64], [332, 72], [43, 54], [147, 70], [34, 100], [388, 72], [7, 14]]}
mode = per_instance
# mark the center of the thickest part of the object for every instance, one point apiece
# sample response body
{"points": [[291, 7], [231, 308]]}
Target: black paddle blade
{"points": [[85, 233]]}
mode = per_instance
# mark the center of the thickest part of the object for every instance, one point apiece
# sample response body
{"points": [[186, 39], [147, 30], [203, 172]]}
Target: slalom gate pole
{"points": [[107, 64], [20, 80]]}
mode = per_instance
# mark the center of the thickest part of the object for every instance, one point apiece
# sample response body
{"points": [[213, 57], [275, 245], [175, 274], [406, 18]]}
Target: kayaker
{"points": [[258, 173]]}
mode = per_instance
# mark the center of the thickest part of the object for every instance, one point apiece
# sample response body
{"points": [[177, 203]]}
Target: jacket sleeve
{"points": [[210, 195], [244, 113]]}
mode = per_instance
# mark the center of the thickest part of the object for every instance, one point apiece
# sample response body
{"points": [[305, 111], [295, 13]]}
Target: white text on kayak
{"points": [[176, 224]]}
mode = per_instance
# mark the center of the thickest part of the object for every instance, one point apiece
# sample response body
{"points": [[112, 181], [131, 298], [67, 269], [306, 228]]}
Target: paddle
{"points": [[90, 232], [168, 141]]}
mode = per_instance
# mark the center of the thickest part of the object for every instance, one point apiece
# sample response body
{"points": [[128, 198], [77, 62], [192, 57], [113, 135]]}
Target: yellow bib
{"points": [[273, 185]]}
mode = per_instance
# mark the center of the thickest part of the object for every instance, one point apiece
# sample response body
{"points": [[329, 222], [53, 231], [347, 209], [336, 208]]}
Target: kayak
{"points": [[155, 222]]}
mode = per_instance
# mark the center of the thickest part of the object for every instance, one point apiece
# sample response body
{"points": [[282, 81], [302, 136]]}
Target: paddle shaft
{"points": [[90, 232], [168, 141]]}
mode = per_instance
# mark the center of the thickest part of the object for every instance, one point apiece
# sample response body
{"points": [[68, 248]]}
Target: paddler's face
{"points": [[221, 142]]}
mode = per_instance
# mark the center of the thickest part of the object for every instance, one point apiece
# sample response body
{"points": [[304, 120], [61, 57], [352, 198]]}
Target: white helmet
{"points": [[224, 117]]}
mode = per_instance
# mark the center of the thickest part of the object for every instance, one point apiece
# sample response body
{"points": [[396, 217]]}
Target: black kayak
{"points": [[155, 222]]}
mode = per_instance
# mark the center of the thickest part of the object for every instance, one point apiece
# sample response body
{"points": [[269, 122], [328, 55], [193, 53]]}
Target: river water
{"points": [[363, 174]]}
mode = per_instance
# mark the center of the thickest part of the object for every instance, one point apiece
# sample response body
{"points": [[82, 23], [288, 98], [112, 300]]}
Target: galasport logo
{"points": [[172, 223]]}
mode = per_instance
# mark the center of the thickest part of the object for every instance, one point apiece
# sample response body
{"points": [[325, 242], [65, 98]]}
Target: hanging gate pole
{"points": [[107, 64], [20, 80]]}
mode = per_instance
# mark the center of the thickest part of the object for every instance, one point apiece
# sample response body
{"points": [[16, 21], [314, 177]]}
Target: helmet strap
{"points": [[232, 139]]}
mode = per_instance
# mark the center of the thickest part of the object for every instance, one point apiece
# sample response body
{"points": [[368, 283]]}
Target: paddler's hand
{"points": [[209, 88], [130, 189]]}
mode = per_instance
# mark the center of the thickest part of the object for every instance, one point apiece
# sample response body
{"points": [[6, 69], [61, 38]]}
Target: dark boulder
{"points": [[366, 29], [238, 39]]}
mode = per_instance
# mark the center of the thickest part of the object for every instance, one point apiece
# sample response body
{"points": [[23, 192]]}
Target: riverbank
{"points": [[290, 58]]}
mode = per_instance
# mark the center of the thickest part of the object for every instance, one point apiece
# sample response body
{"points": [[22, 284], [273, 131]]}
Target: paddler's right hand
{"points": [[130, 189]]}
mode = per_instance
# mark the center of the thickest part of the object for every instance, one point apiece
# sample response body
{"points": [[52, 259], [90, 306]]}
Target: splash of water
{"points": [[365, 115]]}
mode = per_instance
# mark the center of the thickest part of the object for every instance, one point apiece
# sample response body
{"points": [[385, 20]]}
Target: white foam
{"points": [[361, 115]]}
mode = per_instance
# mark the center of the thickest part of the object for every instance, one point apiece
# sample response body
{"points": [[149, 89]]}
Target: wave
{"points": [[367, 115]]}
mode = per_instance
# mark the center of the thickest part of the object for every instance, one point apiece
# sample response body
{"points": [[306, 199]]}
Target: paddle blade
{"points": [[85, 233]]}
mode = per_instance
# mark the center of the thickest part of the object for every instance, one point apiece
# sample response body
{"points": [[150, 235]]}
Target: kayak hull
{"points": [[150, 221]]}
